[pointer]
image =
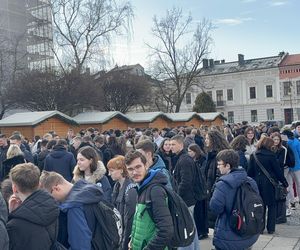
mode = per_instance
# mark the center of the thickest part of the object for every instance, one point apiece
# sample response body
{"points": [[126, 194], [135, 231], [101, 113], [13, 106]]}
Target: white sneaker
{"points": [[288, 212]]}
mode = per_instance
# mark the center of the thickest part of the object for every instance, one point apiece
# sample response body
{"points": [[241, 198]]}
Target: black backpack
{"points": [[246, 218], [200, 185], [183, 223], [108, 227]]}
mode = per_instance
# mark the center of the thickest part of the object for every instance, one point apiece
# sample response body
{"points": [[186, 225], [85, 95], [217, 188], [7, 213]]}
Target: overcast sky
{"points": [[255, 28]]}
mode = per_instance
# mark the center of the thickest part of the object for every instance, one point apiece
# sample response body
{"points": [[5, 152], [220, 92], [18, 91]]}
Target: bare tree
{"points": [[123, 90], [178, 55], [50, 90], [83, 29]]}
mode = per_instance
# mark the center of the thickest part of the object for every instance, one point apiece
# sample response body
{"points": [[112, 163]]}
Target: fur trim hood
{"points": [[94, 178]]}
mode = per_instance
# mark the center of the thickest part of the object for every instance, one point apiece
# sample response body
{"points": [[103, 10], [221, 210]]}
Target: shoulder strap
{"points": [[285, 154], [262, 168]]}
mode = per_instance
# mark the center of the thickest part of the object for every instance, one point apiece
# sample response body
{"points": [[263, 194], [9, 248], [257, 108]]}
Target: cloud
{"points": [[278, 3], [232, 21]]}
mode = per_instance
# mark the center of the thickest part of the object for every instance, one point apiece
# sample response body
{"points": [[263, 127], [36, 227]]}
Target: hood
{"points": [[153, 176], [39, 208], [3, 210], [158, 163], [82, 193], [235, 177], [58, 151], [96, 176]]}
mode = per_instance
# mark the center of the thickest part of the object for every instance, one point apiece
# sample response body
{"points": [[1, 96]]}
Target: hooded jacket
{"points": [[3, 218], [98, 177], [152, 226], [8, 164], [60, 161], [294, 144], [221, 204], [80, 224], [158, 164], [34, 223]]}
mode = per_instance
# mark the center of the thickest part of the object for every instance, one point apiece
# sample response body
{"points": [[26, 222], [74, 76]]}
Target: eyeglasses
{"points": [[135, 168]]}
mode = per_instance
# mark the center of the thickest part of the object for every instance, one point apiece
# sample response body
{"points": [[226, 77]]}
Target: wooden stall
{"points": [[212, 119], [148, 120], [185, 119]]}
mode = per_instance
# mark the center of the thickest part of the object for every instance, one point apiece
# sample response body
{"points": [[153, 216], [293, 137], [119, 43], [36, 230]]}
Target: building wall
{"points": [[25, 131], [217, 122], [241, 104], [159, 123], [115, 123], [193, 122], [53, 124]]}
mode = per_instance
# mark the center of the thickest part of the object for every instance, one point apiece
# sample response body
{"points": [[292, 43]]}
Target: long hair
{"points": [[13, 150], [266, 143], [197, 150], [90, 154], [276, 134], [239, 143], [217, 140]]}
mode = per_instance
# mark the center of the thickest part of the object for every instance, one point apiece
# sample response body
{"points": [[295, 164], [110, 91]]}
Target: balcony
{"points": [[220, 103]]}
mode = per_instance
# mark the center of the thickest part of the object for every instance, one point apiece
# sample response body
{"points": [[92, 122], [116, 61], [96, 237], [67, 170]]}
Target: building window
{"points": [[220, 100], [252, 93], [209, 93], [253, 115], [229, 94], [298, 87], [287, 88], [270, 114], [188, 98], [269, 91], [230, 117]]}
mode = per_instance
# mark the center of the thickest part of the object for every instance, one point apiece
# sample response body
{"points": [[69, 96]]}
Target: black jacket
{"points": [[268, 160], [167, 158], [184, 174], [33, 222], [211, 170], [3, 218], [60, 161], [10, 163]]}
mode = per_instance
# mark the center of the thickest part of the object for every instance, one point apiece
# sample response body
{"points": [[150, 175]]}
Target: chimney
{"points": [[205, 63], [241, 59], [223, 61], [211, 63]]}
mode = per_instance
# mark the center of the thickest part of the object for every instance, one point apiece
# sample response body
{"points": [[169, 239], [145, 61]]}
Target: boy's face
{"points": [[224, 168], [137, 170], [58, 192]]}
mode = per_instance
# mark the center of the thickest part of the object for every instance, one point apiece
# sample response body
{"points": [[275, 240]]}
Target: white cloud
{"points": [[278, 3], [232, 21]]}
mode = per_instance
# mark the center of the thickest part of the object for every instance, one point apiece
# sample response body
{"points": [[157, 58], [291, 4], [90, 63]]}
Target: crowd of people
{"points": [[50, 186]]}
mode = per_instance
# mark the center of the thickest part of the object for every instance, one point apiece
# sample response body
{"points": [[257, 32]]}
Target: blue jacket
{"points": [[294, 144], [158, 163], [60, 161], [221, 204], [78, 225]]}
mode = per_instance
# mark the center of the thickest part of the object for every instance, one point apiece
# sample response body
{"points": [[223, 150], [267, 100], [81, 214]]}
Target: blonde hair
{"points": [[50, 179], [13, 151]]}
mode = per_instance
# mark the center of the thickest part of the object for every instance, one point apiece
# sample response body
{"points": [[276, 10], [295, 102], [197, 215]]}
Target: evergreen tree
{"points": [[204, 103]]}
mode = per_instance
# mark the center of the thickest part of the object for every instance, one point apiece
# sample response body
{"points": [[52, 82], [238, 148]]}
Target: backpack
{"points": [[183, 223], [108, 229], [200, 185], [246, 218]]}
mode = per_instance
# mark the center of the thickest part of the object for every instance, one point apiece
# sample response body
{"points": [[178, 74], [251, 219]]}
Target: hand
{"points": [[129, 245], [13, 203]]}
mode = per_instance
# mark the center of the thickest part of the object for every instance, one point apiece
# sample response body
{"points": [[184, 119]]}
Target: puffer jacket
{"points": [[221, 204], [294, 145], [98, 177], [34, 223], [3, 219], [152, 226]]}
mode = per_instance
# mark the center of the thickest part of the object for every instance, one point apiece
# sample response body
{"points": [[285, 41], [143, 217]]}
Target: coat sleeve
{"points": [[162, 218], [251, 167], [186, 173], [217, 203], [79, 233], [129, 210], [277, 171]]}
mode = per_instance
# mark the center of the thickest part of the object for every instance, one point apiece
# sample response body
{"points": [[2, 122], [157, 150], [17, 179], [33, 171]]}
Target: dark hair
{"points": [[272, 130], [217, 140], [198, 151], [16, 137], [51, 144], [132, 155], [44, 143], [161, 147], [239, 143], [178, 138], [266, 143], [6, 190], [100, 139], [229, 156], [90, 154], [146, 145], [247, 130], [62, 142]]}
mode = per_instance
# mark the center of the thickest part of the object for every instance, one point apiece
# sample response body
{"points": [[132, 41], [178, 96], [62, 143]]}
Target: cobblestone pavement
{"points": [[286, 237]]}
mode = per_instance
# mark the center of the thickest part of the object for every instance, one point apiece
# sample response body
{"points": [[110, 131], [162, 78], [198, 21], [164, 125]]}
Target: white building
{"points": [[244, 90]]}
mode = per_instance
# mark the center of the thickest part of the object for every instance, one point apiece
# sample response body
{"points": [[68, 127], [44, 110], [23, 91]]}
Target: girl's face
{"points": [[191, 153], [83, 163], [166, 146], [207, 141], [276, 140], [116, 174], [250, 135]]}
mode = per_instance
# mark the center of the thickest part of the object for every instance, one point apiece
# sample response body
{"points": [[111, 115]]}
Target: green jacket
{"points": [[152, 227]]}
